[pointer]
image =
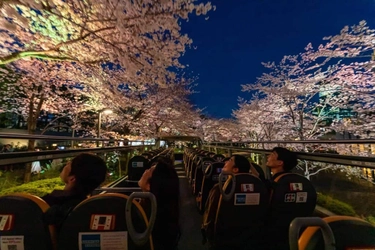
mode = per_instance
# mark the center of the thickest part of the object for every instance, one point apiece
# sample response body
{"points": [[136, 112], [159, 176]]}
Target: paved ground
{"points": [[190, 219]]}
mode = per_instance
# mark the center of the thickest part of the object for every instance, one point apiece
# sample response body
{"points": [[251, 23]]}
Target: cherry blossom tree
{"points": [[164, 109], [61, 88], [258, 120], [292, 93], [213, 129], [142, 37], [354, 46], [308, 92]]}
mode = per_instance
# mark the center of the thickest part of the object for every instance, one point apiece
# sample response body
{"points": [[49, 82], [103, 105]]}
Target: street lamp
{"points": [[105, 111]]}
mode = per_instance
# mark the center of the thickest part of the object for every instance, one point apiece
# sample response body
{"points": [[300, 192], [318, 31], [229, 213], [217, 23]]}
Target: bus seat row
{"points": [[247, 206], [290, 206], [139, 163], [105, 221]]}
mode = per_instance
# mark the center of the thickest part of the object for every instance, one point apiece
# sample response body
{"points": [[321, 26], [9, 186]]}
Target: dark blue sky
{"points": [[241, 34]]}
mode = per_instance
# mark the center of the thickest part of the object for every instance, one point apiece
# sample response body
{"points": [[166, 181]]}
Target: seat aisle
{"points": [[190, 219]]}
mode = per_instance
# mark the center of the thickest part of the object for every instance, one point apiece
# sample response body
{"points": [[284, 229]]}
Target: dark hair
{"points": [[288, 157], [259, 170], [242, 163], [89, 171], [164, 184]]}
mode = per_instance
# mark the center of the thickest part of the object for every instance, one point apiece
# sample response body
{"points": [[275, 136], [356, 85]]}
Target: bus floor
{"points": [[190, 219]]}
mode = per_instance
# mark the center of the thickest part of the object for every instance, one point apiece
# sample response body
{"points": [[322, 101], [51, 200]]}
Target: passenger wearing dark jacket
{"points": [[280, 161], [236, 164], [81, 176], [162, 181]]}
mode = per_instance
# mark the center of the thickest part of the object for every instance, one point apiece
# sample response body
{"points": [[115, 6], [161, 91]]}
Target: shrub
{"points": [[370, 219], [335, 206], [38, 188]]}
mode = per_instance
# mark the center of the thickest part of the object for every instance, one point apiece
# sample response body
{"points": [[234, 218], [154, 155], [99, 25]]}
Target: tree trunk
{"points": [[31, 127]]}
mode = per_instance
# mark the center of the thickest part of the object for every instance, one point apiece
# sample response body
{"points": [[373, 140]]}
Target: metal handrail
{"points": [[356, 141], [140, 239], [118, 189], [56, 138], [358, 161], [30, 156]]}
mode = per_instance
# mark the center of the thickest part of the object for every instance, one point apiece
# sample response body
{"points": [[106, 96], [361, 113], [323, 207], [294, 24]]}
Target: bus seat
{"points": [[148, 155], [211, 154], [21, 219], [100, 221], [199, 173], [292, 196], [259, 170], [211, 178], [190, 160], [241, 213], [350, 233], [218, 157], [193, 166], [136, 167]]}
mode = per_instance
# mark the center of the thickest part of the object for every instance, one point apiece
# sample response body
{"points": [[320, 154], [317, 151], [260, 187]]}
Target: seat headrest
{"points": [[293, 192], [349, 233], [205, 162], [214, 169], [102, 215], [136, 167], [21, 215], [248, 203], [218, 157], [248, 189]]}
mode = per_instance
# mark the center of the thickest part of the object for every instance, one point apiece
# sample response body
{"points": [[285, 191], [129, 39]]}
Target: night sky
{"points": [[241, 34]]}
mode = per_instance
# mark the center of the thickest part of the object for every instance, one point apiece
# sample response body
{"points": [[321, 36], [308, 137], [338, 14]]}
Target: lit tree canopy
{"points": [[311, 91], [143, 36]]}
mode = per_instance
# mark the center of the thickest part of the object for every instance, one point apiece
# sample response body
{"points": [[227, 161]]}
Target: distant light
{"points": [[54, 145], [107, 111]]}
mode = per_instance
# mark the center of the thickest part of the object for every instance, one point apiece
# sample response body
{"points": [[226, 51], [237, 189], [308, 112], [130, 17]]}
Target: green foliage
{"points": [[178, 150], [38, 188], [370, 219], [335, 206]]}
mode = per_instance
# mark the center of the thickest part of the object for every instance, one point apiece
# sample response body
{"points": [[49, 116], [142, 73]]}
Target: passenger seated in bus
{"points": [[81, 176], [162, 181], [280, 161], [237, 164]]}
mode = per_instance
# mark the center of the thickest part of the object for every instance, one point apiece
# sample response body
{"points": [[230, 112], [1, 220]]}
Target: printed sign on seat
{"points": [[22, 225]]}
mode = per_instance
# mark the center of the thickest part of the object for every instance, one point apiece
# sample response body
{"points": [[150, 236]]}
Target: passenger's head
{"points": [[84, 173], [237, 164], [161, 180], [281, 159]]}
